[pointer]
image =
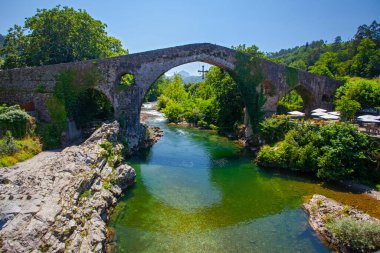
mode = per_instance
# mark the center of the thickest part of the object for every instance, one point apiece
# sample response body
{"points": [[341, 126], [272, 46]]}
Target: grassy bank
{"points": [[24, 148]]}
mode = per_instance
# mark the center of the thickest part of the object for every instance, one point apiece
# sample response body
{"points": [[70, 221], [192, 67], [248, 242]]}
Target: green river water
{"points": [[198, 192]]}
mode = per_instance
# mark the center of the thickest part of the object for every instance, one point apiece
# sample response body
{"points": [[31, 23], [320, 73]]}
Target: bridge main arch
{"points": [[149, 66]]}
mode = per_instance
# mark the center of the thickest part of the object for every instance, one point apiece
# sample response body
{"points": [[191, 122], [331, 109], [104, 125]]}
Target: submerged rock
{"points": [[59, 201]]}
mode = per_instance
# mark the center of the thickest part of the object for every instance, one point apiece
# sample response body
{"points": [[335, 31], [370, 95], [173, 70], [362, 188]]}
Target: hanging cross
{"points": [[203, 71]]}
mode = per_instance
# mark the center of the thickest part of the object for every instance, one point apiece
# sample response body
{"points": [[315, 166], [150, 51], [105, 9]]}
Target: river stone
{"points": [[41, 208], [126, 176]]}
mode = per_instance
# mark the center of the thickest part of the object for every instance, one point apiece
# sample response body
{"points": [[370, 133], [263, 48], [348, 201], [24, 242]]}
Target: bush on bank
{"points": [[357, 235], [17, 141], [15, 120], [331, 152]]}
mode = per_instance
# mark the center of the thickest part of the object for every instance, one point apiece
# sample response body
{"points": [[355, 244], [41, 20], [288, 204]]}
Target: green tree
{"points": [[347, 107], [174, 90], [365, 92], [14, 48], [366, 62], [156, 89], [298, 64], [372, 32], [290, 102], [326, 65], [252, 50], [227, 96], [337, 43], [58, 35]]}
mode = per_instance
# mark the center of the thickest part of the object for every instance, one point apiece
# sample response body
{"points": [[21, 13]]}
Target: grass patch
{"points": [[25, 149]]}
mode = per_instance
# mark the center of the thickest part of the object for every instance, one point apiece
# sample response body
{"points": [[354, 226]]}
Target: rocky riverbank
{"points": [[59, 201], [324, 211]]}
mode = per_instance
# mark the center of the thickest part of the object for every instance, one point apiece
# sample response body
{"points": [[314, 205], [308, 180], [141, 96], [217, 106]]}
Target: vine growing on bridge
{"points": [[70, 100], [291, 76], [71, 83], [248, 76]]}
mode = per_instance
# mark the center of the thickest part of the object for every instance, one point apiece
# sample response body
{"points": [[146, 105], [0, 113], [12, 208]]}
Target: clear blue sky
{"points": [[270, 24]]}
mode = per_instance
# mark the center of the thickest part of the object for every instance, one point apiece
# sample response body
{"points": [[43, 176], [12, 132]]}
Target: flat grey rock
{"points": [[42, 202]]}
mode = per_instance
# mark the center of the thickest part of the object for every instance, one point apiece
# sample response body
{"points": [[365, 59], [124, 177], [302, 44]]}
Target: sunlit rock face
{"points": [[58, 201]]}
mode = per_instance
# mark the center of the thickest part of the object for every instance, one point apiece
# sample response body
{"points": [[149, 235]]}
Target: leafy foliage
{"points": [[15, 120], [331, 152], [111, 153], [357, 57], [290, 102], [58, 114], [213, 103], [274, 129], [361, 236], [127, 80], [291, 76], [49, 134], [347, 107], [355, 94], [58, 35], [248, 77], [228, 101], [156, 89], [365, 92]]}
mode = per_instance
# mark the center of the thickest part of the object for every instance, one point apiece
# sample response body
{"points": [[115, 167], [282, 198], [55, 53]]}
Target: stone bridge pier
{"points": [[32, 87]]}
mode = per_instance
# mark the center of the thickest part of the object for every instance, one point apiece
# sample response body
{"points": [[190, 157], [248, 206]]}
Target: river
{"points": [[198, 192]]}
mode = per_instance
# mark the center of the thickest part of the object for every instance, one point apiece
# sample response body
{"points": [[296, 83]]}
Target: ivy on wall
{"points": [[64, 104], [248, 76], [71, 83], [291, 76]]}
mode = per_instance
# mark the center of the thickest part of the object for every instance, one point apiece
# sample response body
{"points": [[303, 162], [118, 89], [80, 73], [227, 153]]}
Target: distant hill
{"points": [[184, 73], [192, 79], [187, 78]]}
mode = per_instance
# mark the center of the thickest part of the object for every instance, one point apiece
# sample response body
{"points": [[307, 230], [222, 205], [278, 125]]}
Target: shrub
{"points": [[331, 152], [343, 152], [274, 129], [49, 135], [173, 111], [358, 235], [14, 119], [347, 107], [111, 153], [290, 102], [8, 145], [272, 157]]}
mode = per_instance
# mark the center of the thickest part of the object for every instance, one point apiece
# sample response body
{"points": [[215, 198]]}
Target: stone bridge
{"points": [[31, 87]]}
